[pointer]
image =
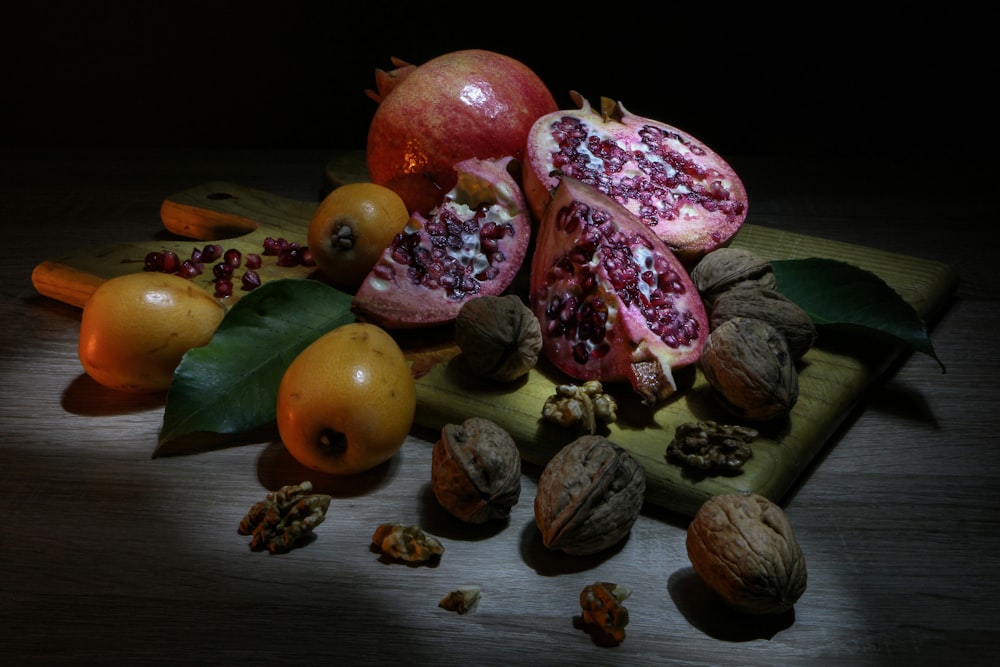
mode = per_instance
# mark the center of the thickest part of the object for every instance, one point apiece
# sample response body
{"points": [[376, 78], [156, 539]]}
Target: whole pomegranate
{"points": [[471, 245], [613, 302], [464, 104], [679, 187]]}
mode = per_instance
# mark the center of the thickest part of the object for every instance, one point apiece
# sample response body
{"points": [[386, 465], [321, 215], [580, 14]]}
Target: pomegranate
{"points": [[679, 187], [613, 301], [460, 105], [472, 244]]}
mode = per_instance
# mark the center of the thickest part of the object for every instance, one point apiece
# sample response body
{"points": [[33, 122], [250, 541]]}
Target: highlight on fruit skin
{"points": [[136, 328], [347, 402]]}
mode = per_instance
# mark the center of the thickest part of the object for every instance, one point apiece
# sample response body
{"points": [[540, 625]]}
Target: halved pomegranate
{"points": [[614, 303], [675, 184], [472, 244]]}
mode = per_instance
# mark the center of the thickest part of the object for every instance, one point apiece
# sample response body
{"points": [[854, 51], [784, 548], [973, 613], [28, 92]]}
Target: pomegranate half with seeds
{"points": [[685, 192], [464, 104], [472, 244], [613, 301]]}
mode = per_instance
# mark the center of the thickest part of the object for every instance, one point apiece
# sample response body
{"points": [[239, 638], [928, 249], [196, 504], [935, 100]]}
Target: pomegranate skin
{"points": [[472, 244], [688, 194], [613, 302], [460, 105]]}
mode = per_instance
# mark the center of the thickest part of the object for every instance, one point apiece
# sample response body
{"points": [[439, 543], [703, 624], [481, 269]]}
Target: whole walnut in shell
{"points": [[499, 336], [743, 547], [770, 306], [589, 495], [476, 470], [748, 364], [729, 267]]}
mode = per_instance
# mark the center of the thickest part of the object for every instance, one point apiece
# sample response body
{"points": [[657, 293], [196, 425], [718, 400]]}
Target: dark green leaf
{"points": [[838, 295], [231, 384]]}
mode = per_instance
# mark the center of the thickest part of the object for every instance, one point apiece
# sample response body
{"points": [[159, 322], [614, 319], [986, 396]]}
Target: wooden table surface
{"points": [[109, 555]]}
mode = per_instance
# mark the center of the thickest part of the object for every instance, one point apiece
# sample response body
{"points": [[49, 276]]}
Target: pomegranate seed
{"points": [[253, 261], [153, 261], [222, 270], [271, 246], [171, 262], [196, 255], [233, 257], [223, 288], [289, 256], [211, 252], [306, 257], [189, 269], [250, 280]]}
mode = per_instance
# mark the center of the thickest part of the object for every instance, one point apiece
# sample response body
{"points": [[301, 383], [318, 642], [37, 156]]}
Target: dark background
{"points": [[818, 81]]}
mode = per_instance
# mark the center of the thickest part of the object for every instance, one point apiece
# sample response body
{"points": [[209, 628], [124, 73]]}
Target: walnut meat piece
{"points": [[476, 470], [772, 307], [709, 445], [604, 614], [284, 517], [744, 548], [408, 543], [589, 495], [750, 369], [582, 406], [499, 337]]}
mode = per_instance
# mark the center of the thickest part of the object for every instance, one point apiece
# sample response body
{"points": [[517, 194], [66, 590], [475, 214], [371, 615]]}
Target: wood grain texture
{"points": [[832, 376], [110, 556]]}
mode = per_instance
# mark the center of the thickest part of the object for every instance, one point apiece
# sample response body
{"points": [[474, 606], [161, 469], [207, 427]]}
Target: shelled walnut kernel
{"points": [[583, 406], [279, 521], [709, 445], [408, 543], [604, 614]]}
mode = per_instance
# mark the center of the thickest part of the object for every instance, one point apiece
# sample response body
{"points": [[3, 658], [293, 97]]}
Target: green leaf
{"points": [[231, 384], [838, 295]]}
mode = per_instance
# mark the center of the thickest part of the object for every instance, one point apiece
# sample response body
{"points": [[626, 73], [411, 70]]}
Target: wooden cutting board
{"points": [[834, 375]]}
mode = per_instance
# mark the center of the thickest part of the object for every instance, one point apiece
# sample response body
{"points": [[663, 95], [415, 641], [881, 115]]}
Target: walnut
{"points": [[499, 337], [750, 369], [723, 268], [604, 615], [772, 307], [589, 495], [462, 600], [279, 521], [408, 543], [710, 445], [476, 470], [743, 546], [581, 405]]}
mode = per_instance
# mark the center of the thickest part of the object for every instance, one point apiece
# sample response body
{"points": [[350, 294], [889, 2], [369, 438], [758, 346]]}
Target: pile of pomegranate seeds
{"points": [[225, 262]]}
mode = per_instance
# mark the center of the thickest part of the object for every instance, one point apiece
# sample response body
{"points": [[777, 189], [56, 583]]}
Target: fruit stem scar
{"points": [[333, 442]]}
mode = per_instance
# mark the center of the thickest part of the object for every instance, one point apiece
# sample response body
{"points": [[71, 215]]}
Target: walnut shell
{"points": [[748, 364], [744, 548], [770, 306], [589, 495], [476, 470], [724, 268], [499, 336]]}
